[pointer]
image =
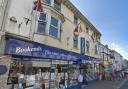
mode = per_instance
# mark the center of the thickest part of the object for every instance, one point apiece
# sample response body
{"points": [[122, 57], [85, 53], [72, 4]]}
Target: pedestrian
{"points": [[80, 80], [113, 74]]}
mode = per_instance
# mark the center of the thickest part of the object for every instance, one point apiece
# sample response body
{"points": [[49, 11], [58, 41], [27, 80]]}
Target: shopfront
{"points": [[35, 65], [90, 68]]}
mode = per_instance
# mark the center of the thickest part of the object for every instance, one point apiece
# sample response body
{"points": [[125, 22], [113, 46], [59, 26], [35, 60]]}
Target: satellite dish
{"points": [[3, 69]]}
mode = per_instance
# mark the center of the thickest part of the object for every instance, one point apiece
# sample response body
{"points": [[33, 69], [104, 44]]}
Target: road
{"points": [[125, 86]]}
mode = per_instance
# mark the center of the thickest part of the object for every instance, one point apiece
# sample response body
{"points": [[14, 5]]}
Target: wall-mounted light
{"points": [[13, 19]]}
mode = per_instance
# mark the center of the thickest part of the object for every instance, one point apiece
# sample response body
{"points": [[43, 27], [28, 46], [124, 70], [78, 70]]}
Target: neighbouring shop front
{"points": [[35, 65], [91, 68]]}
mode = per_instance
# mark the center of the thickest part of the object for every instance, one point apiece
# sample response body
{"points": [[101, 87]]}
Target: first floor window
{"points": [[53, 31], [87, 46], [75, 42], [96, 49], [54, 27], [42, 21], [41, 27]]}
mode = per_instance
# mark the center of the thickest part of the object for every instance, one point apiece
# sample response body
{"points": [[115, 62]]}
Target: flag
{"points": [[76, 30], [38, 5]]}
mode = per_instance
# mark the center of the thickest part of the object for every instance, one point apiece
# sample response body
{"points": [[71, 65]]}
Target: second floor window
{"points": [[96, 49], [57, 5], [47, 1], [87, 30], [87, 46], [75, 20], [42, 23], [54, 27]]}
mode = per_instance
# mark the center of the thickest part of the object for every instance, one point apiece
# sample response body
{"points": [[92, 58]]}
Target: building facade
{"points": [[118, 61], [47, 42], [54, 42]]}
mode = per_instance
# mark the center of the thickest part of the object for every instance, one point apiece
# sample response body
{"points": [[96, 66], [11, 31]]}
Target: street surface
{"points": [[106, 84], [125, 86]]}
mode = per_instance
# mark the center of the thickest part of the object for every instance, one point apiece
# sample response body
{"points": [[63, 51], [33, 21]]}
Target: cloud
{"points": [[120, 50]]}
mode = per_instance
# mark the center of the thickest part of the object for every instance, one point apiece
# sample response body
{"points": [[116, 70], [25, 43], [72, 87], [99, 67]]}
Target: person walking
{"points": [[80, 80], [113, 74]]}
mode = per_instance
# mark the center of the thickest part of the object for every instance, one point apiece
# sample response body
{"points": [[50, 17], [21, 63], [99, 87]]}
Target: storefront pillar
{"points": [[68, 75], [50, 75]]}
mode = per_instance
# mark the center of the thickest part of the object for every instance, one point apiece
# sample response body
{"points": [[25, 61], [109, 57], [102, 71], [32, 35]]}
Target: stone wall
{"points": [[5, 60]]}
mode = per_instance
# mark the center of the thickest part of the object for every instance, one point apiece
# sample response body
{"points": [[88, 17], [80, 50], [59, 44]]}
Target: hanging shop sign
{"points": [[21, 48]]}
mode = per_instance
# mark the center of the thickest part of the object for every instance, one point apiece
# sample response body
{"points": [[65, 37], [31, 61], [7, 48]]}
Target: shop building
{"points": [[118, 64], [58, 41]]}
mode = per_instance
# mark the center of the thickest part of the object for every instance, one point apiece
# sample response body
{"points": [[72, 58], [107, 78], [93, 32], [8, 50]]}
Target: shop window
{"points": [[75, 20], [57, 5], [87, 46], [54, 27], [42, 23], [75, 41], [47, 1]]}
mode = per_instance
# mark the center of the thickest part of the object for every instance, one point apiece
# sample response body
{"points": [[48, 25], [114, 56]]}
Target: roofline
{"points": [[117, 52]]}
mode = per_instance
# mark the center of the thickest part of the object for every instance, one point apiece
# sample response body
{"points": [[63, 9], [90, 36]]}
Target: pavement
{"points": [[125, 86], [107, 84]]}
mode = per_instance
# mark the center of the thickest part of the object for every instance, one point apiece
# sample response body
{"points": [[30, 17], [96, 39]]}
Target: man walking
{"points": [[80, 81]]}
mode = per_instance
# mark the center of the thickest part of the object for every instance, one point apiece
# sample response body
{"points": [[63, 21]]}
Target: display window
{"points": [[49, 75]]}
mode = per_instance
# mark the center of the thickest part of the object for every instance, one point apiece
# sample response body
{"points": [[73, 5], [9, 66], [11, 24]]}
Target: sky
{"points": [[110, 17]]}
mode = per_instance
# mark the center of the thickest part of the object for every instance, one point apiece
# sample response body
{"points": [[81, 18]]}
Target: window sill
{"points": [[48, 36]]}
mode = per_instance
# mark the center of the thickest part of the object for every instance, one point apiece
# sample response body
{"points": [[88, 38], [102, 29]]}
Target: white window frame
{"points": [[42, 21], [59, 22]]}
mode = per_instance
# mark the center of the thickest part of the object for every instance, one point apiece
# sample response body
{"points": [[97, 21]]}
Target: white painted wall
{"points": [[19, 9]]}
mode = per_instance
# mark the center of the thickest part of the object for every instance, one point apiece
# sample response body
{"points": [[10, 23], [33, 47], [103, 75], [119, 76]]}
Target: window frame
{"points": [[75, 20], [87, 46], [58, 27], [42, 22], [58, 5], [96, 49], [75, 39], [87, 30], [45, 1]]}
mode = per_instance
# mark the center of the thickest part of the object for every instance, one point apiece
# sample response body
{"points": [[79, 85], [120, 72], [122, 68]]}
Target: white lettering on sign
{"points": [[27, 49]]}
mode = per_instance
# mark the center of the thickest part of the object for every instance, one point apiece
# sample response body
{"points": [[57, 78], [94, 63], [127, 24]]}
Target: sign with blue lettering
{"points": [[21, 48], [82, 48]]}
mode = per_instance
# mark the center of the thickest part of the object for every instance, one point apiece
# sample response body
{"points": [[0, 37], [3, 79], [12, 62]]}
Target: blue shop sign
{"points": [[21, 48]]}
